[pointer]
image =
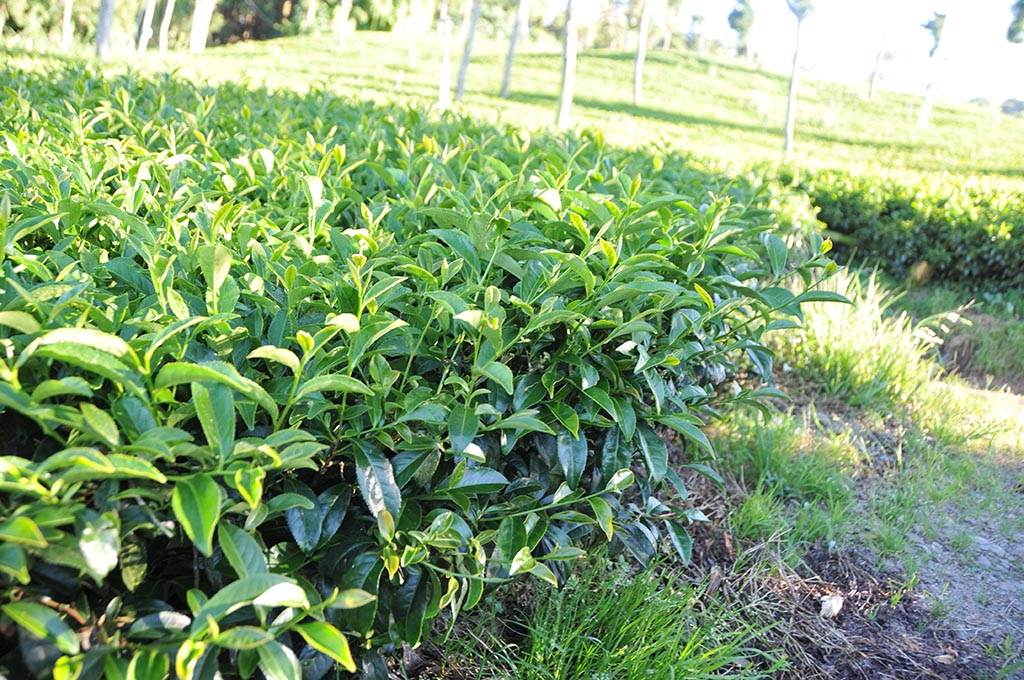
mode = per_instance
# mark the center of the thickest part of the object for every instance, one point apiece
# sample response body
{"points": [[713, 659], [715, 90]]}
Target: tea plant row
{"points": [[282, 377]]}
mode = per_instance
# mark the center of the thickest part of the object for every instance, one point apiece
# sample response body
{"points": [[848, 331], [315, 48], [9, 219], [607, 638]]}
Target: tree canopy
{"points": [[1015, 33], [935, 26], [800, 8], [741, 18]]}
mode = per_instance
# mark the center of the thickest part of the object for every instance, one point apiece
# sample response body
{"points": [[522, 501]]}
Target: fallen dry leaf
{"points": [[830, 605]]}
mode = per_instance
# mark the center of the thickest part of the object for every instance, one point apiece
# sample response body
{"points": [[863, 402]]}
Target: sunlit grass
{"points": [[608, 623], [861, 353], [713, 107]]}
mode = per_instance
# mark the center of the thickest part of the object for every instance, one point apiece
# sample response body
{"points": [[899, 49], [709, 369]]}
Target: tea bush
{"points": [[282, 377], [964, 228]]}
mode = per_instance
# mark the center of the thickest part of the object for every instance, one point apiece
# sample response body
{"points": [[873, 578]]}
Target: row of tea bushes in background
{"points": [[964, 229]]}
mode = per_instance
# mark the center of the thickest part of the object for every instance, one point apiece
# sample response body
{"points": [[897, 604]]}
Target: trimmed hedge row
{"points": [[964, 229]]}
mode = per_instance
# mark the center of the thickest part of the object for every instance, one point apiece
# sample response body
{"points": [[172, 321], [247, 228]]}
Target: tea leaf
{"points": [[276, 354], [333, 383], [572, 455], [215, 408], [655, 452], [22, 322], [243, 553], [327, 639], [278, 662], [463, 425], [44, 623], [376, 480], [197, 505]]}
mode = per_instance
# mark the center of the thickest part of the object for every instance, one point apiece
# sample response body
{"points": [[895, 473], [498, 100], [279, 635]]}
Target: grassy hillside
{"points": [[710, 107]]}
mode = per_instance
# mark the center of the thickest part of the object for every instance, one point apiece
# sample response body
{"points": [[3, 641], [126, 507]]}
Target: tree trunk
{"points": [[146, 31], [201, 18], [876, 75], [666, 40], [165, 26], [569, 40], [410, 38], [924, 115], [522, 19], [103, 26], [467, 13], [341, 14], [641, 53], [467, 52], [309, 18], [67, 29], [444, 88], [794, 81]]}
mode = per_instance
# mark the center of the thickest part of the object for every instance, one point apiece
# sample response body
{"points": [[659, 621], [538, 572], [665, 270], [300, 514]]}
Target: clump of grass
{"points": [[998, 353], [608, 623], [861, 353], [800, 479]]}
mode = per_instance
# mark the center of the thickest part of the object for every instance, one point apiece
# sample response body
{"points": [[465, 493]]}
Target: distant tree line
{"points": [[186, 23]]}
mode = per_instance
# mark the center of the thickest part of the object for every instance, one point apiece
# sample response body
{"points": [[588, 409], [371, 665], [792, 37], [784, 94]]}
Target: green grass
{"points": [[860, 353], [712, 107], [608, 623]]}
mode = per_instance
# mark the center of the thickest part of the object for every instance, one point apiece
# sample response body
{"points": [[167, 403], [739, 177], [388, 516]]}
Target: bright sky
{"points": [[842, 37]]}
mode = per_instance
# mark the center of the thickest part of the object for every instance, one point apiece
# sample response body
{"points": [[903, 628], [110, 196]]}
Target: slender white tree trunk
{"points": [[341, 14], [467, 13], [444, 87], [146, 32], [876, 75], [103, 26], [794, 82], [309, 18], [670, 19], [641, 52], [201, 18], [67, 29], [467, 51], [165, 26], [522, 19], [924, 115], [411, 18], [569, 43]]}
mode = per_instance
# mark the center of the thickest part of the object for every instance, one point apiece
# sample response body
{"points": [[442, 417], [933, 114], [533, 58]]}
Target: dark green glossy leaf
{"points": [[241, 550], [681, 540], [376, 480], [463, 425], [572, 455], [655, 452], [197, 506]]}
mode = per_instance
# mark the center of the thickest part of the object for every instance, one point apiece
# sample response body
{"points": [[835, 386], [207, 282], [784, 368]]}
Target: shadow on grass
{"points": [[625, 108]]}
